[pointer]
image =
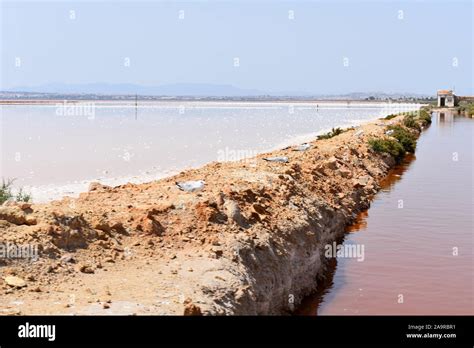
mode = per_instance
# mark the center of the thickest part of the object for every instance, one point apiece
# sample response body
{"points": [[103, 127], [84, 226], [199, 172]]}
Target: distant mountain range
{"points": [[186, 90], [178, 89]]}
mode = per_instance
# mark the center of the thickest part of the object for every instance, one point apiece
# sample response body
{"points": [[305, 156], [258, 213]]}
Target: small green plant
{"points": [[332, 133], [404, 137], [6, 192], [389, 117], [22, 196], [390, 146]]}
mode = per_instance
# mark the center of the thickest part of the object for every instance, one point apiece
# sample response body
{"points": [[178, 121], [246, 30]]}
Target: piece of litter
{"points": [[277, 159], [191, 186], [358, 133], [389, 132], [302, 147], [15, 281]]}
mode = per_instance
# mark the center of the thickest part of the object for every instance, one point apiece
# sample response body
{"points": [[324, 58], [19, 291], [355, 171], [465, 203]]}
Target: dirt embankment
{"points": [[250, 242]]}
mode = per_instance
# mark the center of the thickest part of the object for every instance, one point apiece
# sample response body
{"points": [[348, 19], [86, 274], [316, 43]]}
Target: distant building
{"points": [[447, 98]]}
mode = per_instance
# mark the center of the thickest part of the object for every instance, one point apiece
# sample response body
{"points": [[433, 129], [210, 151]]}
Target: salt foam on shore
{"points": [[51, 192]]}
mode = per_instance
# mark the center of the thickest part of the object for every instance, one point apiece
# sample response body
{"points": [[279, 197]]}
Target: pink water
{"points": [[411, 265]]}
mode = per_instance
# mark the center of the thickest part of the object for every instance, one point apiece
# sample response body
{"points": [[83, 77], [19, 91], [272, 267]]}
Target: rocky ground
{"points": [[249, 242]]}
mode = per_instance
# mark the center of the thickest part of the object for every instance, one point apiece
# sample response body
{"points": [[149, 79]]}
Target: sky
{"points": [[317, 47]]}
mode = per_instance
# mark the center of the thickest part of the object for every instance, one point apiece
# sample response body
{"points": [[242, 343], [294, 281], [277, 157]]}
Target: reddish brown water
{"points": [[409, 251]]}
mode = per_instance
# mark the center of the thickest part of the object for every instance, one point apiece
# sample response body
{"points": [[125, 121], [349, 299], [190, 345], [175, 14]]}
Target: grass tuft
{"points": [[332, 133]]}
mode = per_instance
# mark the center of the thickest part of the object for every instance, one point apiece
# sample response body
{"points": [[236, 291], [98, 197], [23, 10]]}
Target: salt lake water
{"points": [[58, 149]]}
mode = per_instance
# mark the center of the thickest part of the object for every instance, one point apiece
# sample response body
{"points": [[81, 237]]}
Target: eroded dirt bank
{"points": [[250, 242]]}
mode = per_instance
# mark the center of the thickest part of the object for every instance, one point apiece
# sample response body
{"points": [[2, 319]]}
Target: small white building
{"points": [[446, 98]]}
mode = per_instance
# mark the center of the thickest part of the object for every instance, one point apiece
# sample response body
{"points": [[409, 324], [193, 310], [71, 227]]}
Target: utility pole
{"points": [[136, 106]]}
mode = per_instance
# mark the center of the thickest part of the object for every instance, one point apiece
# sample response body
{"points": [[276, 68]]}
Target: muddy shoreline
{"points": [[250, 241]]}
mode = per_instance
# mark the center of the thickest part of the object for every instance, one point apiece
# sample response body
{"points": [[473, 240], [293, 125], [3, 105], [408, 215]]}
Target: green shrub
{"points": [[466, 107], [7, 194], [389, 117], [22, 196], [410, 122], [332, 133], [392, 147], [424, 116], [404, 137], [6, 191]]}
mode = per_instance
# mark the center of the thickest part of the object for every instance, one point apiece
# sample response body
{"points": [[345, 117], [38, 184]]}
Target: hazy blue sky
{"points": [[426, 46]]}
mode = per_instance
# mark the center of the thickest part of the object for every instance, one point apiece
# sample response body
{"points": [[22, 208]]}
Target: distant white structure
{"points": [[446, 97]]}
